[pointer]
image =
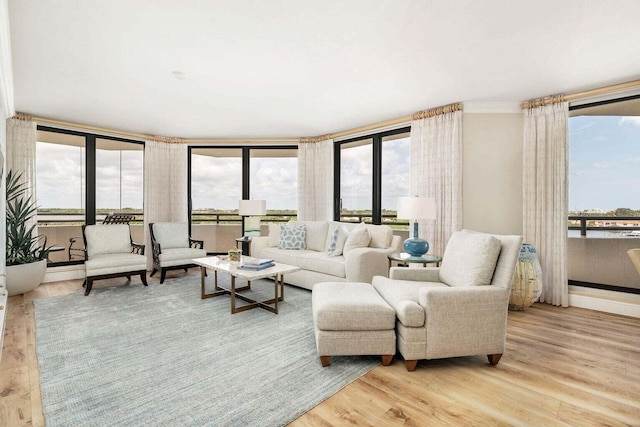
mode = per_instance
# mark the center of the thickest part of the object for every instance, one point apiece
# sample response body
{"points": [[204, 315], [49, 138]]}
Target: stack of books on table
{"points": [[257, 264]]}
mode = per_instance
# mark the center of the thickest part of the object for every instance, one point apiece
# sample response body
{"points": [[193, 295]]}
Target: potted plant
{"points": [[26, 253]]}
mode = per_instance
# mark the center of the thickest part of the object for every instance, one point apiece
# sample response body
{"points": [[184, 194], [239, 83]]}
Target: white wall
{"points": [[492, 172]]}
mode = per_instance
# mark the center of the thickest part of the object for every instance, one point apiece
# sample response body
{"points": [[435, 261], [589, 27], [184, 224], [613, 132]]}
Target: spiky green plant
{"points": [[23, 246]]}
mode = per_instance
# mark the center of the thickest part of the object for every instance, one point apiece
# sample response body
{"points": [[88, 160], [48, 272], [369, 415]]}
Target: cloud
{"points": [[633, 120], [623, 162]]}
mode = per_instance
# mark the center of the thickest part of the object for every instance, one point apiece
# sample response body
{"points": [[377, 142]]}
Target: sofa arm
{"points": [[475, 315], [361, 264], [429, 274], [257, 244]]}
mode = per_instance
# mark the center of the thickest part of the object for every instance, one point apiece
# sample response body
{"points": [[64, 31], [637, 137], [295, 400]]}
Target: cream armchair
{"points": [[459, 308], [173, 248], [110, 252]]}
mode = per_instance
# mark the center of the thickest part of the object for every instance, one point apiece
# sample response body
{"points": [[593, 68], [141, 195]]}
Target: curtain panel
{"points": [[21, 156], [315, 181], [165, 186], [546, 206], [436, 171]]}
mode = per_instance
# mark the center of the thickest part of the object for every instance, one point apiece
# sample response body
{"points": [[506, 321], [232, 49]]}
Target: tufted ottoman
{"points": [[351, 319]]}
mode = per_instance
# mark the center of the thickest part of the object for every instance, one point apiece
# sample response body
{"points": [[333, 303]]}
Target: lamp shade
{"points": [[253, 207], [416, 207]]}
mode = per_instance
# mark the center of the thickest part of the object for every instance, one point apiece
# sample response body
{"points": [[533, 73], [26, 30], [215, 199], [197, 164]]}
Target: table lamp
{"points": [[251, 210], [413, 209]]}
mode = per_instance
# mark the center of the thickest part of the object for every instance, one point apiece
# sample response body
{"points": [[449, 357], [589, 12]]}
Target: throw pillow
{"points": [[316, 236], [293, 238], [381, 235], [337, 241], [469, 259], [359, 237], [274, 235]]}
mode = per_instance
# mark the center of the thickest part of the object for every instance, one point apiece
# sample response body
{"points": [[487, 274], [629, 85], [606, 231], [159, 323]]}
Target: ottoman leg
{"points": [[386, 359], [411, 365], [325, 360]]}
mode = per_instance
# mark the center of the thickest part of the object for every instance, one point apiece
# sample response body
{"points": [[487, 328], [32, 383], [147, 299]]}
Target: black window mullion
{"points": [[337, 204], [376, 200], [90, 190]]}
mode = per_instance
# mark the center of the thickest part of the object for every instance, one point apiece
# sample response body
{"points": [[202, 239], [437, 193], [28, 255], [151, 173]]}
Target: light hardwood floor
{"points": [[562, 367]]}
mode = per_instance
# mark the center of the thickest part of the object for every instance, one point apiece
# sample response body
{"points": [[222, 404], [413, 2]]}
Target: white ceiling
{"points": [[291, 68]]}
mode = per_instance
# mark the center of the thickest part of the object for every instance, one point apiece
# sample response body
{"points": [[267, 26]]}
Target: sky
{"points": [[604, 173], [604, 163]]}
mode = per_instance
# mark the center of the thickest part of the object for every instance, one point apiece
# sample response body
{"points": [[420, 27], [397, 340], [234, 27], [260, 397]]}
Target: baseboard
{"points": [[66, 272], [608, 301]]}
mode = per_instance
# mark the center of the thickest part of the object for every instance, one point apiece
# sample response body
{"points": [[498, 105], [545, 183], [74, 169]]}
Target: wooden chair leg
{"points": [[143, 277], [153, 272], [411, 365], [325, 360], [494, 358], [128, 277], [89, 286], [163, 274], [84, 284], [386, 359], [186, 269]]}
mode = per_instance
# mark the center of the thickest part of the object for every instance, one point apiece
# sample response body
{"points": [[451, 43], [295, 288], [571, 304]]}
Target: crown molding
{"points": [[492, 107]]}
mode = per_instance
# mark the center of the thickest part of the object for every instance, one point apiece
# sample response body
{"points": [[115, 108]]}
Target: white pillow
{"points": [[293, 238], [359, 237], [381, 235], [274, 235], [469, 259], [337, 241]]}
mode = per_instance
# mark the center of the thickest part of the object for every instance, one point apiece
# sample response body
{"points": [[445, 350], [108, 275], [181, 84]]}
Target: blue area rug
{"points": [[161, 356]]}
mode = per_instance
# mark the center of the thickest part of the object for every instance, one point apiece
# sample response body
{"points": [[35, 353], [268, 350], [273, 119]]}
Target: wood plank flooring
{"points": [[562, 367]]}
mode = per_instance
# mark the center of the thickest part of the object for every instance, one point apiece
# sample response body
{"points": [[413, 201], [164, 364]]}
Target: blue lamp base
{"points": [[415, 246]]}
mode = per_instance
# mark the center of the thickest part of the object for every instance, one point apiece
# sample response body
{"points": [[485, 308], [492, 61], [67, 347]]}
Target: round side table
{"points": [[404, 258]]}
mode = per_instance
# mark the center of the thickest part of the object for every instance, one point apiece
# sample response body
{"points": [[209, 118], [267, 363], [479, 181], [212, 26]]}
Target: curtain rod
{"points": [[553, 99]]}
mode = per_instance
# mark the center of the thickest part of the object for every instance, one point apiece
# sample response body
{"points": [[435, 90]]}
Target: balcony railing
{"points": [[626, 225]]}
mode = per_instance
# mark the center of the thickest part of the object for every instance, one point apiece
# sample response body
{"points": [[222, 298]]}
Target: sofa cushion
{"points": [[107, 239], [171, 234], [469, 259], [293, 237], [336, 242], [274, 235], [359, 237], [316, 237], [114, 263], [308, 260], [381, 235]]}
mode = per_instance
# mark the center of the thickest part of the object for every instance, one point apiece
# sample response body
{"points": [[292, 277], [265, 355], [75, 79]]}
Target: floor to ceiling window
{"points": [[371, 173], [222, 176], [80, 179]]}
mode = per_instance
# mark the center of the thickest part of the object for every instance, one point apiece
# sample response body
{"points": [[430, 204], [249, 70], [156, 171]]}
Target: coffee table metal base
{"points": [[278, 279]]}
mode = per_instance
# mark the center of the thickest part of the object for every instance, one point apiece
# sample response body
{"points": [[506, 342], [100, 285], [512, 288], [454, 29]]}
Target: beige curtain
{"points": [[545, 195], [21, 155], [165, 186], [436, 171], [315, 180]]}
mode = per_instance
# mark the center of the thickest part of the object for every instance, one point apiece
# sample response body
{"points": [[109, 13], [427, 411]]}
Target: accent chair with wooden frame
{"points": [[110, 252], [75, 251], [173, 248]]}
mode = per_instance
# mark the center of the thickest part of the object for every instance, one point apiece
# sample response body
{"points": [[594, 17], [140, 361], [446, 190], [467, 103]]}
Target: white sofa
{"points": [[363, 257]]}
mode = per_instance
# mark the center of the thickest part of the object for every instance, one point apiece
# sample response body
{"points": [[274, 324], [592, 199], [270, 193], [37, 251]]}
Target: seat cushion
{"points": [[107, 239], [101, 264], [307, 260], [469, 259], [350, 306], [179, 256], [404, 297], [171, 234]]}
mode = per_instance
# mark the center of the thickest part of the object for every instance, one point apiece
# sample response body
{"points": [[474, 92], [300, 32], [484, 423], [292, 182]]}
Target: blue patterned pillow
{"points": [[336, 243], [293, 238]]}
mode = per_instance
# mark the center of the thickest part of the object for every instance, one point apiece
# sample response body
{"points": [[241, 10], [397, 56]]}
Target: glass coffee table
{"points": [[404, 258], [217, 264]]}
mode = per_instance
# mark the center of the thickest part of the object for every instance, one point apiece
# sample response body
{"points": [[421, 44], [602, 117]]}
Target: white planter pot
{"points": [[24, 278]]}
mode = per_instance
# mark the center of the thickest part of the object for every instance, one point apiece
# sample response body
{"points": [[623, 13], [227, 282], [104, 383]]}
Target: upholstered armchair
{"points": [[110, 252], [459, 308], [173, 248]]}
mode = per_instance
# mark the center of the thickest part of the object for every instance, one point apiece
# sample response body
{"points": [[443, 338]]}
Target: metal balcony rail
{"points": [[586, 223]]}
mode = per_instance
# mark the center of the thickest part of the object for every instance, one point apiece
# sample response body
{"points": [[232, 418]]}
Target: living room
{"points": [[263, 78]]}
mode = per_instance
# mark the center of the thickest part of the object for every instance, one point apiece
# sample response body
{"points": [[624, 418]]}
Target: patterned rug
{"points": [[161, 356]]}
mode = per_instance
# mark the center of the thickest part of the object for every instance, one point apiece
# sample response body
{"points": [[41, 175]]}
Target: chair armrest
{"points": [[137, 248], [257, 244], [196, 244], [429, 274], [156, 250], [361, 264], [475, 315]]}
